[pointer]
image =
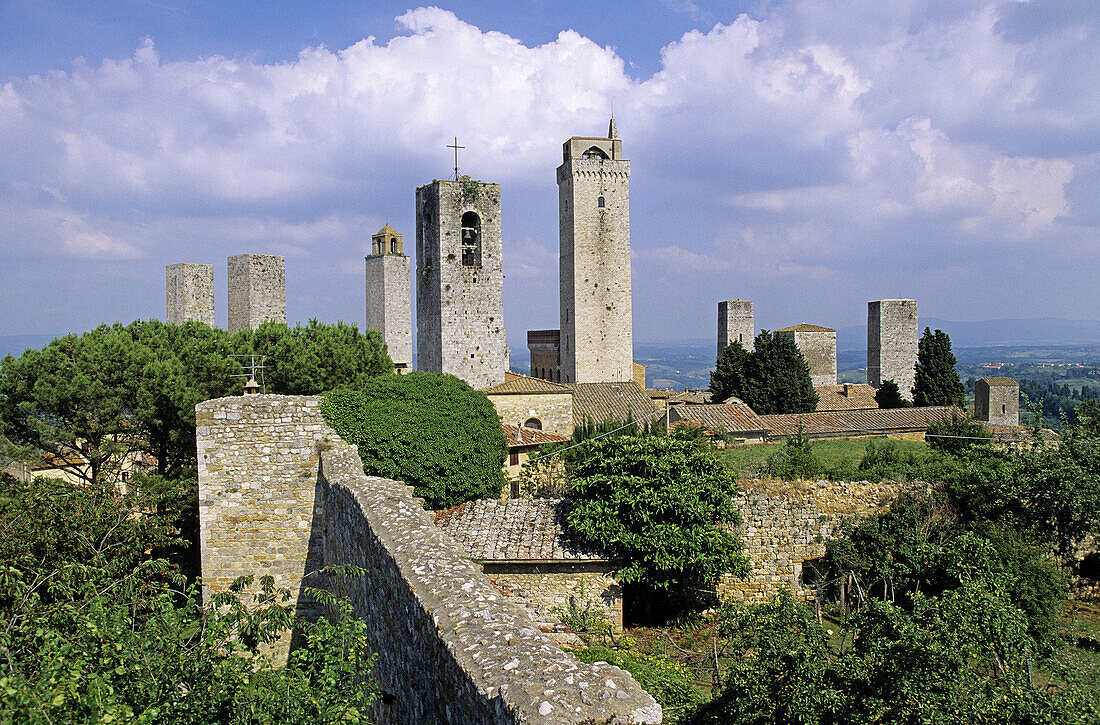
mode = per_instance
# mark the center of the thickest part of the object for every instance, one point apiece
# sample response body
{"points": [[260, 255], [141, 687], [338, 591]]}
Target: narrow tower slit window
{"points": [[471, 240], [600, 202]]}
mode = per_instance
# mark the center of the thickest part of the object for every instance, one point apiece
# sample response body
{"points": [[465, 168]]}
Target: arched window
{"points": [[471, 240], [595, 152], [533, 423], [600, 202]]}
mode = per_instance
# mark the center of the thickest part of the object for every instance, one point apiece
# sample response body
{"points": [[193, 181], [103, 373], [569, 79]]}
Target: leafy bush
{"points": [[431, 431], [795, 460], [667, 681], [956, 433], [884, 458], [662, 502]]}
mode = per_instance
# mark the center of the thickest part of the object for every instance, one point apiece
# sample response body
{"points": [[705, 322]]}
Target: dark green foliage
{"points": [[937, 382], [889, 396], [1058, 403], [315, 358], [431, 431], [773, 378], [956, 433], [884, 458], [795, 460], [661, 501], [667, 681], [94, 629]]}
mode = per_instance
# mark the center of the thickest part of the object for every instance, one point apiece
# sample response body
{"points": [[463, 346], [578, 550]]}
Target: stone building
{"points": [[594, 259], [735, 324], [257, 290], [544, 346], [997, 401], [818, 345], [460, 281], [389, 297], [189, 293], [533, 403], [892, 334]]}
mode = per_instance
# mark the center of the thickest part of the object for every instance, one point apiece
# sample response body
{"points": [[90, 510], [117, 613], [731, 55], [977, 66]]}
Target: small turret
{"points": [[612, 129]]}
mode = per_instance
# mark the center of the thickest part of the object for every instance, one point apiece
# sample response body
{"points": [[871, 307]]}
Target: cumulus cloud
{"points": [[782, 144]]}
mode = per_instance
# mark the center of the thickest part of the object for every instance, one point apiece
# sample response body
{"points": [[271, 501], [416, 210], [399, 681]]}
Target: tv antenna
{"points": [[456, 147], [254, 366]]}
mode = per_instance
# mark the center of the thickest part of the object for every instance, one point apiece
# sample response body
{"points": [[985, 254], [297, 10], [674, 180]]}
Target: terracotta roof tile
{"points": [[999, 381], [721, 418], [841, 422], [524, 384], [516, 530], [611, 401], [806, 327], [859, 396], [519, 436]]}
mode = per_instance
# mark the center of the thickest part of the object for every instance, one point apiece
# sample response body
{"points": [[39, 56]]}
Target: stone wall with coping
{"points": [[281, 494], [785, 524]]}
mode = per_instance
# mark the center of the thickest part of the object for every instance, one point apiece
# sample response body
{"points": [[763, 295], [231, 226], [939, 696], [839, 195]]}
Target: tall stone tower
{"points": [[189, 292], [460, 281], [892, 343], [997, 401], [735, 324], [594, 260], [818, 345], [257, 290], [389, 296]]}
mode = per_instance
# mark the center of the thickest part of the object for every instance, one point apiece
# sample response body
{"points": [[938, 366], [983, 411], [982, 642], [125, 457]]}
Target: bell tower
{"points": [[596, 342], [389, 297]]}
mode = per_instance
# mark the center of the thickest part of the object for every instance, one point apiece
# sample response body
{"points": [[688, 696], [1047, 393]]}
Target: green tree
{"points": [[937, 382], [664, 503], [315, 358], [889, 396], [95, 629], [773, 378], [431, 431]]}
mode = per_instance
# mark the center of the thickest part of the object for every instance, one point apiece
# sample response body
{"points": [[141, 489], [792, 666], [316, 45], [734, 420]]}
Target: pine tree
{"points": [[937, 381]]}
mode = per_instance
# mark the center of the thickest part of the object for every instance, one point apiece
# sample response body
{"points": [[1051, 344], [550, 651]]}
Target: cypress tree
{"points": [[937, 381]]}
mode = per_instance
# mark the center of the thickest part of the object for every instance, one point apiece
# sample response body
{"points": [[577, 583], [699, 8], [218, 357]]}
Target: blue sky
{"points": [[806, 154]]}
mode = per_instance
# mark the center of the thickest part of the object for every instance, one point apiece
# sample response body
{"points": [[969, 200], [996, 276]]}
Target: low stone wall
{"points": [[785, 524], [547, 590], [450, 648]]}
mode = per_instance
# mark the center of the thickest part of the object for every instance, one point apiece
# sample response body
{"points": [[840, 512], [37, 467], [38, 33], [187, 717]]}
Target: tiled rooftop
{"points": [[514, 383], [721, 418], [839, 422], [515, 530], [847, 396], [611, 401], [520, 436]]}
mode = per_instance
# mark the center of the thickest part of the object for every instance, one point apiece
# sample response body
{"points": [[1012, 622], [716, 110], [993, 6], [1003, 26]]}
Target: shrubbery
{"points": [[431, 431]]}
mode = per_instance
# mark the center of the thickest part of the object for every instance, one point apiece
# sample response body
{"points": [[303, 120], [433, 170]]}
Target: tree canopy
{"points": [[431, 431], [937, 382], [889, 396], [773, 378]]}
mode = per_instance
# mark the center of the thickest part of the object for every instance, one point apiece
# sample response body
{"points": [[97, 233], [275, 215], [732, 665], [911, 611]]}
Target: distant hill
{"points": [[991, 333]]}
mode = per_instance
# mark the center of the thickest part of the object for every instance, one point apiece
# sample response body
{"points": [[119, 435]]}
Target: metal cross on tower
{"points": [[456, 147]]}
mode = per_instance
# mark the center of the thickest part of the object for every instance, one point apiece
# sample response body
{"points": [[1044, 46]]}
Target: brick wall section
{"points": [[784, 524], [389, 304], [189, 293], [892, 333], [450, 649], [257, 290]]}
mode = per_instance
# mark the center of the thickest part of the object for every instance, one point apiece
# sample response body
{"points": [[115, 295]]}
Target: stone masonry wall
{"points": [[594, 273], [784, 524], [450, 648], [257, 290], [459, 309], [555, 410], [389, 304], [735, 324], [892, 332], [544, 588], [819, 349], [189, 293]]}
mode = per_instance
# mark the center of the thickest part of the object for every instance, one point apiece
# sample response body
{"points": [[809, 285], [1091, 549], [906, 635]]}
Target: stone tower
{"points": [[257, 290], [594, 260], [189, 291], [389, 296], [892, 343], [460, 281], [818, 345], [735, 324], [997, 401]]}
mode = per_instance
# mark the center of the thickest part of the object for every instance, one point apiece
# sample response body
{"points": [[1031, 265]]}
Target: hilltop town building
{"points": [[997, 401], [594, 260], [545, 347], [735, 324], [389, 296], [257, 290], [818, 345], [189, 293], [460, 281], [892, 343]]}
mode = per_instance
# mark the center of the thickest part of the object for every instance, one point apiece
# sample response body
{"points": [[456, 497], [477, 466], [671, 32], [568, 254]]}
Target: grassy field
{"points": [[839, 457]]}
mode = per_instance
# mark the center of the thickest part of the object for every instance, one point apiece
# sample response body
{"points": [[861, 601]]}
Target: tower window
{"points": [[471, 240], [595, 152], [600, 202], [393, 246]]}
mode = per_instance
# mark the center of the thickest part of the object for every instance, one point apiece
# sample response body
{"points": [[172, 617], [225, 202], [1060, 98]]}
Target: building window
{"points": [[1003, 410], [471, 240], [600, 202], [513, 458], [393, 246], [533, 423], [595, 152]]}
